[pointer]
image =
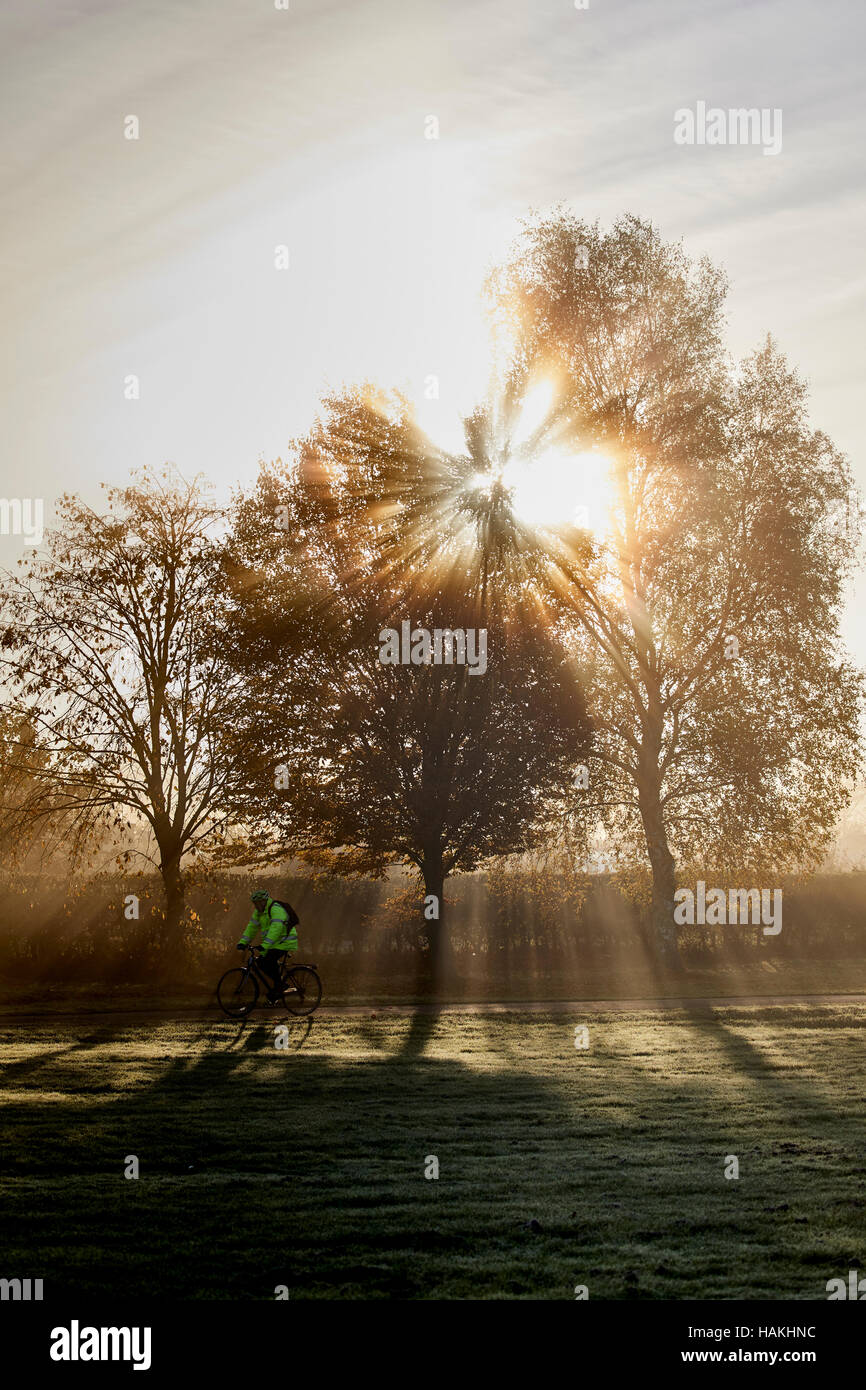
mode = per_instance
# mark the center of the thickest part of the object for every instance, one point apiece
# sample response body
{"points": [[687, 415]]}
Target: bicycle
{"points": [[239, 989]]}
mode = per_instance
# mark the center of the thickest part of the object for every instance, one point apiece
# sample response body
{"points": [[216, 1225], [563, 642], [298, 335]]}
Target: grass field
{"points": [[305, 1167]]}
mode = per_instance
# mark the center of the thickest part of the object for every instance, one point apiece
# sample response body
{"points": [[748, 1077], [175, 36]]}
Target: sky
{"points": [[308, 128]]}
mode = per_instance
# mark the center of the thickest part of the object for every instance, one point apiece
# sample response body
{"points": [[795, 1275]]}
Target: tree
{"points": [[708, 625], [430, 764], [704, 627], [22, 762], [109, 651]]}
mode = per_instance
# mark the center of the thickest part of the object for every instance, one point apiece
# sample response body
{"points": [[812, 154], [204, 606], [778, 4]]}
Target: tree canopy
{"points": [[361, 763]]}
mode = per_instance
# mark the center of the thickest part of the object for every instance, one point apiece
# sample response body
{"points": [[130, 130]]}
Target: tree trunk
{"points": [[175, 893], [433, 959], [663, 872]]}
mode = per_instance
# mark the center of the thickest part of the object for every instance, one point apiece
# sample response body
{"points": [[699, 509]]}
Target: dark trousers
{"points": [[270, 964]]}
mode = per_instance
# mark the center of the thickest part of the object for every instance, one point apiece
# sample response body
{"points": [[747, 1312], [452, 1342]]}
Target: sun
{"points": [[548, 483], [556, 488]]}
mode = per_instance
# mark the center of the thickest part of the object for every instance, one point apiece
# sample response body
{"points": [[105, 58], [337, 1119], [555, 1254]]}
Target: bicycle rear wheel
{"points": [[238, 993], [304, 990]]}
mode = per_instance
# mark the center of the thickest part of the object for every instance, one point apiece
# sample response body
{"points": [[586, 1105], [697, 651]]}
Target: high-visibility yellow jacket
{"points": [[273, 923]]}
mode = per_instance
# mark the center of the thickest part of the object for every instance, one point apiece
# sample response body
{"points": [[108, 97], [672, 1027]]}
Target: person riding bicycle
{"points": [[279, 936]]}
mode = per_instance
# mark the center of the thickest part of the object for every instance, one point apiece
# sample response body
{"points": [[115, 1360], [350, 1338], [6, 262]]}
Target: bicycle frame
{"points": [[252, 967]]}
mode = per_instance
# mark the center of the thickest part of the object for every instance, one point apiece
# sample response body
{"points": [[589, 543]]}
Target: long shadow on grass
{"points": [[420, 1033], [315, 1170], [48, 1057], [780, 1083]]}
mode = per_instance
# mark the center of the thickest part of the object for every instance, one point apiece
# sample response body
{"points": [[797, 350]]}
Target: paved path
{"points": [[208, 1011], [604, 1006]]}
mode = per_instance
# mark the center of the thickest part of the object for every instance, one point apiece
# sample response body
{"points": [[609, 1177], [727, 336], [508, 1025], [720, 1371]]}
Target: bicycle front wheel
{"points": [[304, 990], [238, 993]]}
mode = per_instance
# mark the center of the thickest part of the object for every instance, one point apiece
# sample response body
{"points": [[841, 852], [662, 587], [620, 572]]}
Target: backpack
{"points": [[294, 919]]}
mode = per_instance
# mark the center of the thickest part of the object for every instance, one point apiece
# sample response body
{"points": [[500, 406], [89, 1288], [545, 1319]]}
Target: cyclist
{"points": [[278, 936]]}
